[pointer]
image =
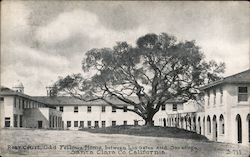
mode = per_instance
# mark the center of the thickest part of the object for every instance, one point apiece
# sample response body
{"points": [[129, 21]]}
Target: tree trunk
{"points": [[149, 120]]}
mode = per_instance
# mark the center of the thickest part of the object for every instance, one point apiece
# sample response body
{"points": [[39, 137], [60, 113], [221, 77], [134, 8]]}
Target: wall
{"points": [[33, 115], [8, 109], [96, 114], [1, 114]]}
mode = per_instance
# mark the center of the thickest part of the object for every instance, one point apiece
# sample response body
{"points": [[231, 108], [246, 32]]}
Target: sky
{"points": [[42, 40]]}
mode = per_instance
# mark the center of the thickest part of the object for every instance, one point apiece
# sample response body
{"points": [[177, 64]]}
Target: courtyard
{"points": [[33, 142]]}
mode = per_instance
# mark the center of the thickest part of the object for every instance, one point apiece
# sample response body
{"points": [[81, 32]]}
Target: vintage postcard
{"points": [[125, 78]]}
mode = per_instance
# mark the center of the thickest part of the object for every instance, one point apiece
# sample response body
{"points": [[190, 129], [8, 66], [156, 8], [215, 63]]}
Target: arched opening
{"points": [[194, 123], [222, 125], [199, 125], [208, 125], [185, 122], [215, 133], [190, 123], [239, 128], [164, 122], [181, 122], [175, 122], [204, 126], [248, 122]]}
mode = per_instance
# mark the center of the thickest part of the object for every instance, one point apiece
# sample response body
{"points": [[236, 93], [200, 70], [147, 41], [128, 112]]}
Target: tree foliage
{"points": [[157, 69]]}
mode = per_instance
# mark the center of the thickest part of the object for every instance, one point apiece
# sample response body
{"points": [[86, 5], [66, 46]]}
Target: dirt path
{"points": [[79, 143]]}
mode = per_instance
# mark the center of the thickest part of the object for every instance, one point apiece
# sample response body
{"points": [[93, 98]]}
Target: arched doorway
{"points": [[239, 128], [164, 122], [203, 126], [181, 122], [194, 124], [186, 123], [248, 122], [222, 124], [208, 125], [190, 123], [215, 133], [199, 125]]}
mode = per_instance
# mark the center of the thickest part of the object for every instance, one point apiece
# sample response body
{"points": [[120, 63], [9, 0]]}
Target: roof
{"points": [[4, 91], [68, 100], [242, 77]]}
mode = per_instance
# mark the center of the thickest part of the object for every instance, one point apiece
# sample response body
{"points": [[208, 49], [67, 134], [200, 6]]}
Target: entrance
{"points": [[40, 124], [164, 122], [239, 129], [215, 133]]}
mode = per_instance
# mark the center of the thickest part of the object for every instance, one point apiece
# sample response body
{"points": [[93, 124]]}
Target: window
{"points": [[89, 109], [76, 109], [68, 124], [113, 109], [222, 125], [221, 95], [7, 122], [15, 102], [135, 122], [163, 107], [81, 124], [75, 123], [103, 108], [1, 98], [125, 122], [242, 94], [174, 107], [214, 92], [125, 108], [89, 124], [96, 124], [103, 124], [15, 120], [113, 123], [208, 125], [21, 121], [61, 108]]}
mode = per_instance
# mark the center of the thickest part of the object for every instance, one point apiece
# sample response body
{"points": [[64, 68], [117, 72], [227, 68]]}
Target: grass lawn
{"points": [[35, 142], [154, 131]]}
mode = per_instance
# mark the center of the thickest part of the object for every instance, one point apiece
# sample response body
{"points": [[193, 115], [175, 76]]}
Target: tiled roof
{"points": [[4, 91], [242, 77], [68, 100]]}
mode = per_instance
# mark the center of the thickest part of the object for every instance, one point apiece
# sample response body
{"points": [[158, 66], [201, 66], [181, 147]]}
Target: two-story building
{"points": [[20, 110], [225, 114], [227, 109]]}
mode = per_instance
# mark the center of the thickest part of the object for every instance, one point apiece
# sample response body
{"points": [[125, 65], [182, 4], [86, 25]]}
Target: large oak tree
{"points": [[157, 69]]}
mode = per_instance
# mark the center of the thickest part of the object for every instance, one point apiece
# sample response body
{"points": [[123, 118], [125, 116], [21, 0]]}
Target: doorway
{"points": [[239, 128], [40, 124], [215, 133], [164, 122]]}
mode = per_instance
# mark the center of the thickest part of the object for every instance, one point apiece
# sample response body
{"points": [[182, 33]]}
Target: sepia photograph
{"points": [[125, 78]]}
